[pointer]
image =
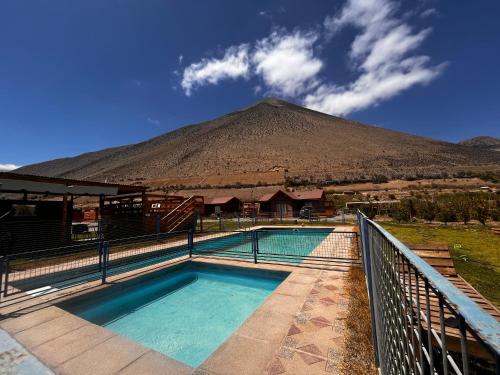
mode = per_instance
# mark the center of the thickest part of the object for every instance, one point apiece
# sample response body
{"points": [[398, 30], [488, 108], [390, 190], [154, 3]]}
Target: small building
{"points": [[313, 198], [289, 204], [36, 212], [222, 205]]}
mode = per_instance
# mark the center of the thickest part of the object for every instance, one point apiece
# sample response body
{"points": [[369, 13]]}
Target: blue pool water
{"points": [[186, 313], [276, 245]]}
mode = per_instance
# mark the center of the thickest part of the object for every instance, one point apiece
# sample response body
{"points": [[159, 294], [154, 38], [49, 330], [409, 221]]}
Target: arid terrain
{"points": [[269, 142]]}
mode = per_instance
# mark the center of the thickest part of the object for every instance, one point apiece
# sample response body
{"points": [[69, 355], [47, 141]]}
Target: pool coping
{"points": [[70, 345]]}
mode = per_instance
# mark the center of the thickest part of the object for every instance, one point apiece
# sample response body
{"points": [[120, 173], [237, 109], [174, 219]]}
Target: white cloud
{"points": [[180, 58], [429, 12], [232, 65], [154, 121], [287, 63], [379, 53], [373, 17], [371, 87], [8, 167]]}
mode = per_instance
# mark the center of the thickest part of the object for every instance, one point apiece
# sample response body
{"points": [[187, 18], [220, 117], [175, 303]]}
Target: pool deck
{"points": [[299, 329]]}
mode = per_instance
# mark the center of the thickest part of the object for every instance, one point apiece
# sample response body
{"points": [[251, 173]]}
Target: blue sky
{"points": [[78, 76]]}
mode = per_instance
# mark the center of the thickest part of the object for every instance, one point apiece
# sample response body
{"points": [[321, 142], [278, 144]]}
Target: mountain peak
{"points": [[252, 141], [482, 140]]}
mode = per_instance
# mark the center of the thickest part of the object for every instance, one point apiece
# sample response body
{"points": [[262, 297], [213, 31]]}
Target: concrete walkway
{"points": [[16, 360]]}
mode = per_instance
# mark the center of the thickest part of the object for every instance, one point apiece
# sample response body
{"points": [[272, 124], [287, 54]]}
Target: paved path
{"points": [[16, 360]]}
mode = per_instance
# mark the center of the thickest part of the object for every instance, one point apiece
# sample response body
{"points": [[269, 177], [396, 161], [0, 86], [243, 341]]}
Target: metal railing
{"points": [[422, 323], [284, 245], [30, 274]]}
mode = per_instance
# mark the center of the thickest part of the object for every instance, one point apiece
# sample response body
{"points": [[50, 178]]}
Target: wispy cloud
{"points": [[429, 13], [154, 121], [382, 55], [234, 64], [8, 167], [180, 59]]}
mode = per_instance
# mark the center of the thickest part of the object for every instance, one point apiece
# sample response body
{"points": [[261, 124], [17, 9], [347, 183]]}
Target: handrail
{"points": [[478, 319], [5, 214], [483, 323], [176, 208]]}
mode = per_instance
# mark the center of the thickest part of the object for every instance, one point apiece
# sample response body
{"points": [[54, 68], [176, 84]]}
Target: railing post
{"points": [[190, 242], [2, 267], [105, 259], [254, 246], [99, 239], [6, 268], [158, 227]]}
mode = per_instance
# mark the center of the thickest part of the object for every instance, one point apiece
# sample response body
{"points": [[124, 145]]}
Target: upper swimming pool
{"points": [[276, 244], [185, 312]]}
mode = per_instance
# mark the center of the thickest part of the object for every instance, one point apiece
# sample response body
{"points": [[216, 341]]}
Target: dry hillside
{"points": [[272, 136]]}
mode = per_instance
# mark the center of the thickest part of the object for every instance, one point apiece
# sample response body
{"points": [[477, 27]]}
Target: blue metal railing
{"points": [[421, 322]]}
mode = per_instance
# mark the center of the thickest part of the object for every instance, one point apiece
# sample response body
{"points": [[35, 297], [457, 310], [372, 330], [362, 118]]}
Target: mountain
{"points": [[490, 143], [272, 135]]}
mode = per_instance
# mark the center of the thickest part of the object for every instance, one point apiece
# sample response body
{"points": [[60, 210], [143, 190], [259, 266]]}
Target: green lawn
{"points": [[475, 251]]}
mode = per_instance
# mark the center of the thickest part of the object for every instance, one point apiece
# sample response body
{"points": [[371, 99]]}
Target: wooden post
{"points": [[64, 219]]}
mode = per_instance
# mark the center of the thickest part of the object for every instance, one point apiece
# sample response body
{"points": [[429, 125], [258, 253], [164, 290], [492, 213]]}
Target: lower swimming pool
{"points": [[186, 312]]}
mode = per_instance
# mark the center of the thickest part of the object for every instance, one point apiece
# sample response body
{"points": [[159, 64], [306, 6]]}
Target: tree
{"points": [[481, 213], [446, 214], [427, 210], [402, 211], [462, 204], [370, 210]]}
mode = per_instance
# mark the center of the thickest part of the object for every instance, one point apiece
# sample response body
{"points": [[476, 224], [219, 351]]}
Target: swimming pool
{"points": [[185, 312], [285, 244]]}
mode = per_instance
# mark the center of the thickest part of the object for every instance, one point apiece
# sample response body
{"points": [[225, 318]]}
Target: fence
{"points": [[33, 273], [284, 245], [43, 271], [235, 221], [421, 323]]}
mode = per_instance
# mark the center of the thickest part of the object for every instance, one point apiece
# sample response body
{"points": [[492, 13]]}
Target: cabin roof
{"points": [[219, 200], [296, 196], [23, 183]]}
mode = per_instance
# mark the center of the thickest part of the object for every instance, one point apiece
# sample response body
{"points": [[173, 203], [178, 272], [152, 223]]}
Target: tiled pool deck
{"points": [[299, 329]]}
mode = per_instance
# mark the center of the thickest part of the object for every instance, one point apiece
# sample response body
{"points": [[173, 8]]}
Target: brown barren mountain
{"points": [[272, 136]]}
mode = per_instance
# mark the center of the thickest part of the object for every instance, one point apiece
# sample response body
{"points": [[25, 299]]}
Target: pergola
{"points": [[49, 217]]}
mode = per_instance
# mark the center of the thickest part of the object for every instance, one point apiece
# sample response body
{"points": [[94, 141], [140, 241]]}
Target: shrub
{"points": [[379, 178]]}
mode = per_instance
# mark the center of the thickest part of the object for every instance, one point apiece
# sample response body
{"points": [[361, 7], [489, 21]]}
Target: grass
{"points": [[475, 251]]}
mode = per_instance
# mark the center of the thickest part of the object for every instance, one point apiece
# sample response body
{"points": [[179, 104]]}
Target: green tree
{"points": [[370, 210], [427, 210], [446, 214]]}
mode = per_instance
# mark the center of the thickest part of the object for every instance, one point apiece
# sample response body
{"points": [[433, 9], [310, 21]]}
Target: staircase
{"points": [[182, 215]]}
